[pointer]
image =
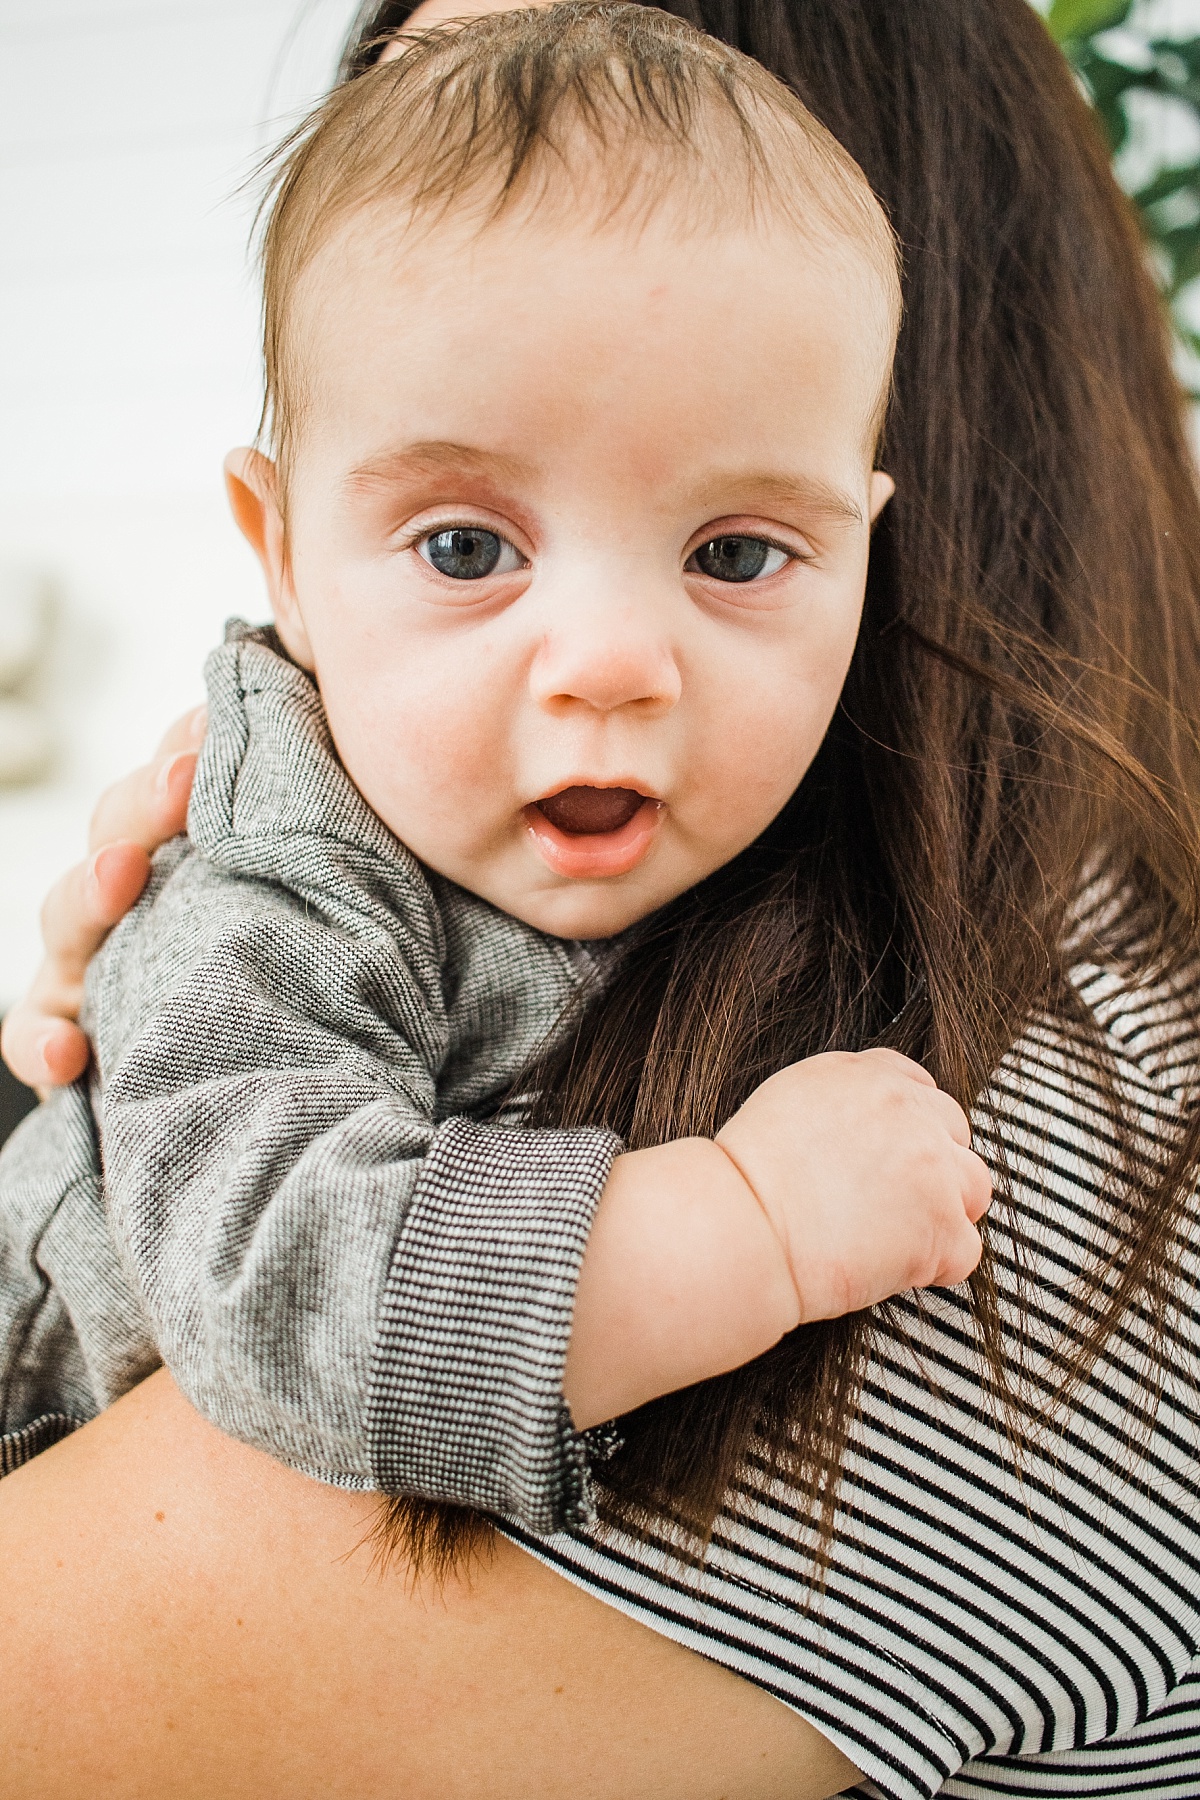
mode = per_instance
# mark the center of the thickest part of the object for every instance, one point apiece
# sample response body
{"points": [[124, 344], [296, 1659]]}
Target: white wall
{"points": [[129, 363]]}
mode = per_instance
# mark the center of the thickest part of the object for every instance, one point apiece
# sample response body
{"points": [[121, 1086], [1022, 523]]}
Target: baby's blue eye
{"points": [[737, 558], [468, 552]]}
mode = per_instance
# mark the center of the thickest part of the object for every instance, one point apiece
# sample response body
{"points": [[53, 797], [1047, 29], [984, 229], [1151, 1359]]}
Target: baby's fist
{"points": [[864, 1168]]}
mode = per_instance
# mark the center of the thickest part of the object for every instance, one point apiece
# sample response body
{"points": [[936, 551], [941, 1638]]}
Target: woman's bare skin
{"points": [[41, 1043], [182, 1618]]}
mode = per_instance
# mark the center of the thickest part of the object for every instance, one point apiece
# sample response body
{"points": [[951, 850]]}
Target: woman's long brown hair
{"points": [[1018, 711]]}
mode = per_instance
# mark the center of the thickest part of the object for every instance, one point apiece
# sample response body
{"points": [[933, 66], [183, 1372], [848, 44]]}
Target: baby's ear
{"points": [[252, 483], [882, 489]]}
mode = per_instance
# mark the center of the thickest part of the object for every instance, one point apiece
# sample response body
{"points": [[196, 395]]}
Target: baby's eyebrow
{"points": [[807, 492], [414, 461]]}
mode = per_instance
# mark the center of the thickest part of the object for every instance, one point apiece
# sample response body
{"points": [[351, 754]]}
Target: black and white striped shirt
{"points": [[985, 1632]]}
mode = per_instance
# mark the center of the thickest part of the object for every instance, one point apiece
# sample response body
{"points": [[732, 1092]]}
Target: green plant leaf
{"points": [[1069, 19], [1106, 84], [1174, 55], [1183, 248], [1168, 182]]}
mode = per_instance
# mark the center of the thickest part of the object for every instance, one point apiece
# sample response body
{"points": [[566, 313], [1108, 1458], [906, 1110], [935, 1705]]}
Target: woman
{"points": [[993, 1616]]}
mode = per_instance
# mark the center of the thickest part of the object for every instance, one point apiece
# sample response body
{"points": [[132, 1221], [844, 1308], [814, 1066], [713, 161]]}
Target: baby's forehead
{"points": [[610, 120], [461, 318], [386, 246]]}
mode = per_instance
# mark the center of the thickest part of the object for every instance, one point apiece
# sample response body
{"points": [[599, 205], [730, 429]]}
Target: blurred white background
{"points": [[128, 366]]}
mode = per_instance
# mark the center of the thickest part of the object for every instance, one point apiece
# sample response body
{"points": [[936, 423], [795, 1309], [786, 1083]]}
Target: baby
{"points": [[578, 336]]}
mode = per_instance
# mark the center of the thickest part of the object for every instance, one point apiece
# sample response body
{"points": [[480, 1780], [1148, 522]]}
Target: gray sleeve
{"points": [[375, 1298], [476, 1316]]}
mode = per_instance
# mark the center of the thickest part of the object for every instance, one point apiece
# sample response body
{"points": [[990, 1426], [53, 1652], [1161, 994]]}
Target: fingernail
{"points": [[92, 884], [97, 859], [162, 785], [42, 1044], [197, 723]]}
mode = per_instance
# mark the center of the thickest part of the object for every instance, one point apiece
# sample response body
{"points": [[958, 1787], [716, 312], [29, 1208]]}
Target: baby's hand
{"points": [[863, 1167]]}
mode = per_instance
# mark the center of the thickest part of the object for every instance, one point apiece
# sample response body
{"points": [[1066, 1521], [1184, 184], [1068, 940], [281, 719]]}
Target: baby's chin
{"points": [[559, 894], [571, 908], [576, 909]]}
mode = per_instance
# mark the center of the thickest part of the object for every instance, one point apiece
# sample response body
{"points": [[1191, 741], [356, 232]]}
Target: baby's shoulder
{"points": [[192, 929], [281, 850]]}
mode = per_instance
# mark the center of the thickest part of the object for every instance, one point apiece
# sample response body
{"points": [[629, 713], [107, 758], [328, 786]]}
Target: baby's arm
{"points": [[842, 1180], [380, 1299], [336, 1273]]}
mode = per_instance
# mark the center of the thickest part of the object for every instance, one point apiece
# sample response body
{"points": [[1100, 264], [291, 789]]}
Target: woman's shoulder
{"points": [[1081, 1121], [1097, 1090], [1145, 1003], [1010, 1624]]}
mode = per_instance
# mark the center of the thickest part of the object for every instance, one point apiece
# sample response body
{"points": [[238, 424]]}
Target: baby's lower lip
{"points": [[592, 856]]}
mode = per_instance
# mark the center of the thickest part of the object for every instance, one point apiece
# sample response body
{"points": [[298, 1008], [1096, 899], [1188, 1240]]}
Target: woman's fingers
{"points": [[41, 1043], [976, 1186], [41, 1051], [186, 733], [150, 806], [83, 906]]}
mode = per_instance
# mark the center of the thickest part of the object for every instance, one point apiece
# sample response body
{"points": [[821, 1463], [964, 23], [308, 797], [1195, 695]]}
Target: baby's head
{"points": [[579, 333]]}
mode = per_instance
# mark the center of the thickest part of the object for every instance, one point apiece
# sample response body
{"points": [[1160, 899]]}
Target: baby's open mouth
{"points": [[590, 811], [591, 832]]}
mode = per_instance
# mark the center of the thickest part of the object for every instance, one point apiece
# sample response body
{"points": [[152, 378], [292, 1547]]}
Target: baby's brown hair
{"points": [[610, 107]]}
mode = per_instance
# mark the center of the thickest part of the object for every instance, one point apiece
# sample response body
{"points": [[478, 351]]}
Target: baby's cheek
{"points": [[424, 750], [770, 734]]}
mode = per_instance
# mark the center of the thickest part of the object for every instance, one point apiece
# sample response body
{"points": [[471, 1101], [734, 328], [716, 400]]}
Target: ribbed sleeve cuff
{"points": [[19, 1447], [465, 1401]]}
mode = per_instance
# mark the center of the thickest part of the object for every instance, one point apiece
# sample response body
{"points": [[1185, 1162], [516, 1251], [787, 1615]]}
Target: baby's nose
{"points": [[606, 669]]}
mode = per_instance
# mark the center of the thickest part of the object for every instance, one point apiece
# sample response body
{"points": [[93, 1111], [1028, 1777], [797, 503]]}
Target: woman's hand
{"points": [[41, 1043]]}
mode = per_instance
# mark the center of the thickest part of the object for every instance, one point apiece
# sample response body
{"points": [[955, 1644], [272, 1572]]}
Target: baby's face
{"points": [[578, 525]]}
